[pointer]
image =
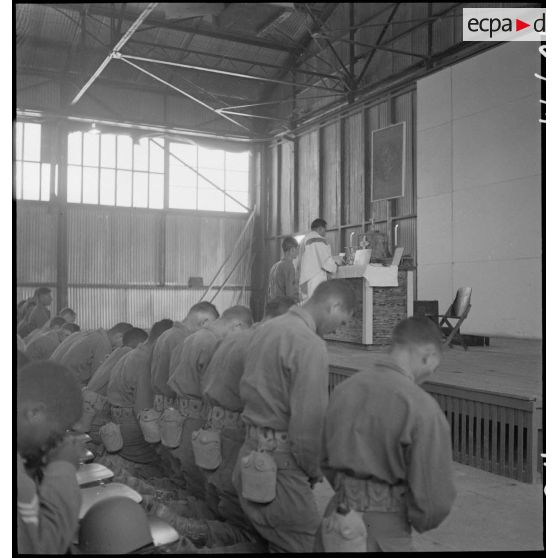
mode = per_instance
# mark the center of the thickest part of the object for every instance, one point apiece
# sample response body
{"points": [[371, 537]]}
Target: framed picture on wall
{"points": [[388, 162]]}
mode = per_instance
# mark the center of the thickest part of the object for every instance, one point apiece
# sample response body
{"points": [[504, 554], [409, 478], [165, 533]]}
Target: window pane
{"points": [[124, 188], [108, 150], [215, 176], [211, 200], [45, 182], [124, 159], [74, 184], [184, 151], [237, 181], [18, 181], [182, 176], [156, 157], [140, 189], [74, 148], [211, 158], [238, 161], [107, 187], [32, 142], [141, 155], [182, 198], [156, 196], [91, 149], [19, 141], [232, 206], [31, 181], [90, 185]]}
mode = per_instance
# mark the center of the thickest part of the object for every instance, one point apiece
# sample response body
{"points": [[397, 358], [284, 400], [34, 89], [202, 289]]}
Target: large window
{"points": [[111, 169], [190, 190], [32, 178]]}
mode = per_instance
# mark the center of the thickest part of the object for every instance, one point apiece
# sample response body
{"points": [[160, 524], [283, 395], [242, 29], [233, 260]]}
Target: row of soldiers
{"points": [[226, 426]]}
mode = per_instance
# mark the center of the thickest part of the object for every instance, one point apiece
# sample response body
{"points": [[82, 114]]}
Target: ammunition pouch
{"points": [[158, 402], [191, 407]]}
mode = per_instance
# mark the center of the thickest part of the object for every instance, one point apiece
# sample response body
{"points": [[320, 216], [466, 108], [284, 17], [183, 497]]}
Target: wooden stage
{"points": [[492, 398], [506, 367]]}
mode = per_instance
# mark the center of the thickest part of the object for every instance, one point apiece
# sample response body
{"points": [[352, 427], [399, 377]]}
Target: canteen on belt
{"points": [[170, 424], [149, 424], [258, 473], [344, 531], [207, 449], [111, 437]]}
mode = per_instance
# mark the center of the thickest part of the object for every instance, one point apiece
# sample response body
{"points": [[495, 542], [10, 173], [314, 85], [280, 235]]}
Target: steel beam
{"points": [[191, 97], [131, 30], [158, 22], [220, 72], [378, 42]]}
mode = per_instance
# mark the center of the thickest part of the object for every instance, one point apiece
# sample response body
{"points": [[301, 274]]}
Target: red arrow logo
{"points": [[520, 25]]}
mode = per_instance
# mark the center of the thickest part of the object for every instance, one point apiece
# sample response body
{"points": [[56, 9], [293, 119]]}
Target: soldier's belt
{"points": [[268, 439], [192, 407], [121, 412], [219, 418], [366, 495]]}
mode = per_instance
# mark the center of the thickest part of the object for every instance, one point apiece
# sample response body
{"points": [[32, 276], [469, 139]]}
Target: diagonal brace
{"points": [[116, 50]]}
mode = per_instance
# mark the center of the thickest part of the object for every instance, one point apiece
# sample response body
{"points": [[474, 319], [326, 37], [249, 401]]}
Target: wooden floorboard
{"points": [[507, 366]]}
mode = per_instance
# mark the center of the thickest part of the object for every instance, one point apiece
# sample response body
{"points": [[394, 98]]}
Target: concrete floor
{"points": [[491, 513]]}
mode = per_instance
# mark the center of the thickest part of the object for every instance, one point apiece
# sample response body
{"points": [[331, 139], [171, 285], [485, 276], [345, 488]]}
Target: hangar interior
{"points": [[162, 151]]}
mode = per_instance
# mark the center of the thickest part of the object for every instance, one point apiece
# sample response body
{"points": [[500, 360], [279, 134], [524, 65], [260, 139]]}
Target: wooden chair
{"points": [[457, 312]]}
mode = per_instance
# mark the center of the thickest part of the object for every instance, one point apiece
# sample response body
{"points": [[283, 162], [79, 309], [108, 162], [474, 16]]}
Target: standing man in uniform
{"points": [[285, 393], [387, 446], [282, 276], [315, 259], [84, 351]]}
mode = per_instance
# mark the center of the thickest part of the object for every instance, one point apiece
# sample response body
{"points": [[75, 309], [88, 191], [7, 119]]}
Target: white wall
{"points": [[479, 189]]}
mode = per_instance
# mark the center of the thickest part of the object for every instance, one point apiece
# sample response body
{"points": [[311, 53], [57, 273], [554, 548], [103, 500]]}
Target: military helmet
{"points": [[114, 526]]}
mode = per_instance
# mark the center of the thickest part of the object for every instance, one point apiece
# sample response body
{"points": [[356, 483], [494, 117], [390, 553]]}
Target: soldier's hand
{"points": [[315, 480], [70, 449]]}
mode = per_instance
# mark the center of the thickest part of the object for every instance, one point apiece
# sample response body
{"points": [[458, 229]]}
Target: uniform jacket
{"points": [[38, 317], [83, 352], [221, 381], [284, 385], [191, 360], [47, 514], [161, 361], [100, 379], [121, 390], [282, 280], [42, 346], [381, 424]]}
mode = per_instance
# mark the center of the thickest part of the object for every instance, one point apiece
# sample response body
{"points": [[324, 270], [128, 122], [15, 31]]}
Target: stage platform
{"points": [[492, 397]]}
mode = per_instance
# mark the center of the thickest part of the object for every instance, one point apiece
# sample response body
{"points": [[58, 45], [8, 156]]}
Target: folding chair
{"points": [[458, 311]]}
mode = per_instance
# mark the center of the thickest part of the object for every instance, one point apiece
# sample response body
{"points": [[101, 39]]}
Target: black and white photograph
{"points": [[279, 278]]}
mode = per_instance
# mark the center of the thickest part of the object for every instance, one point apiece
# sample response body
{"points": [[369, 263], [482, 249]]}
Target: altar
{"points": [[384, 298]]}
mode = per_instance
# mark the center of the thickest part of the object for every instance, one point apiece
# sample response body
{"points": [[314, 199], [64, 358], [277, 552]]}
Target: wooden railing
{"points": [[490, 431]]}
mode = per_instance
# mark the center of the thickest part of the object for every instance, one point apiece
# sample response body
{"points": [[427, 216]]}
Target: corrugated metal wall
{"points": [[115, 259], [36, 230], [333, 164], [308, 179]]}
